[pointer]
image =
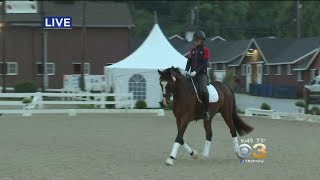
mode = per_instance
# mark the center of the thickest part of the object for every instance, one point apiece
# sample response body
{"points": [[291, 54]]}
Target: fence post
{"points": [[306, 97], [40, 100], [35, 100], [95, 99], [115, 95], [160, 112], [103, 99], [247, 112]]}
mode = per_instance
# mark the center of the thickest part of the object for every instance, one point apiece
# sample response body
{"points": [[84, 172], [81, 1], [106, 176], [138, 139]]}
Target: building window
{"points": [[215, 67], [278, 70], [76, 67], [137, 85], [260, 69], [266, 70], [289, 69], [50, 67], [243, 69], [300, 76], [249, 69], [218, 66], [221, 66], [1, 66], [250, 52], [11, 68]]}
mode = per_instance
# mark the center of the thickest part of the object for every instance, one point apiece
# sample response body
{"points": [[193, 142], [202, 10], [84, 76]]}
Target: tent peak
{"points": [[155, 17]]}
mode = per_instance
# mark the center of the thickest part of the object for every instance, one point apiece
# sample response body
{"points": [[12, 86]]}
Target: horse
{"points": [[187, 108]]}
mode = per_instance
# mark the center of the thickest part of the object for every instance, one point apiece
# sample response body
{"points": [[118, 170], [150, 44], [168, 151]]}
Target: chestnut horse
{"points": [[187, 108]]}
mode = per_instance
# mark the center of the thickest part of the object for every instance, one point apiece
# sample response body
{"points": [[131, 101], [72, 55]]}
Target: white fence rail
{"points": [[74, 112], [124, 100], [251, 111], [39, 99], [283, 115]]}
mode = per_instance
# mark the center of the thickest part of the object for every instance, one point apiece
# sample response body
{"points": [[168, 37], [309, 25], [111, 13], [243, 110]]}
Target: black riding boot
{"points": [[206, 114]]}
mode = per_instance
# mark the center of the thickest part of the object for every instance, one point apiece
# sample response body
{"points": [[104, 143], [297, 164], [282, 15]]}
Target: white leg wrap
{"points": [[235, 144], [206, 148], [187, 148], [175, 150]]}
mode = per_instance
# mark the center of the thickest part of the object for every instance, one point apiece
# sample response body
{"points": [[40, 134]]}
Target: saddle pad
{"points": [[213, 94]]}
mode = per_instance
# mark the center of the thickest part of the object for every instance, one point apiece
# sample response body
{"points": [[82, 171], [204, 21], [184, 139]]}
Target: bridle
{"points": [[167, 95]]}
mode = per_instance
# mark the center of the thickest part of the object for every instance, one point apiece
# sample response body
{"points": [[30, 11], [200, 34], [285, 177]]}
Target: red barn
{"points": [[108, 32]]}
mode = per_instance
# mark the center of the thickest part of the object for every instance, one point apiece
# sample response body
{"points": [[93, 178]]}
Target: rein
{"points": [[194, 87]]}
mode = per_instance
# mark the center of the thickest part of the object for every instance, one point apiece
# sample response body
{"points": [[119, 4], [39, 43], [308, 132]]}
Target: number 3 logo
{"points": [[245, 151], [262, 150]]}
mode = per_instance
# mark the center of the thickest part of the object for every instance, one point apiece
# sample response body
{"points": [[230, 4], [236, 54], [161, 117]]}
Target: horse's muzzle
{"points": [[164, 102], [165, 99]]}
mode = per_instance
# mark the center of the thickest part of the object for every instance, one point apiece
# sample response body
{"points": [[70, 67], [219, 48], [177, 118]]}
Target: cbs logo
{"points": [[245, 151]]}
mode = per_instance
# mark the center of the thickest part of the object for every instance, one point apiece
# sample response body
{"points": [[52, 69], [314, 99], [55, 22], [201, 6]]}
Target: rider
{"points": [[198, 62]]}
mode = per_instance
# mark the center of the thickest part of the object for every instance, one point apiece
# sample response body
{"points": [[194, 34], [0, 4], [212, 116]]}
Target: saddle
{"points": [[213, 94]]}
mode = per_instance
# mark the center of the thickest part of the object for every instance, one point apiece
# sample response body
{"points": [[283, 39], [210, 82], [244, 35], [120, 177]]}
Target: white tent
{"points": [[138, 72]]}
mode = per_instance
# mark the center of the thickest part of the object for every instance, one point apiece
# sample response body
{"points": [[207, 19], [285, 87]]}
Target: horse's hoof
{"points": [[195, 154], [169, 162]]}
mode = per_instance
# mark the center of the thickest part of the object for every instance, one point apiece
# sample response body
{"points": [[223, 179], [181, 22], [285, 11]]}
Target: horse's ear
{"points": [[159, 72]]}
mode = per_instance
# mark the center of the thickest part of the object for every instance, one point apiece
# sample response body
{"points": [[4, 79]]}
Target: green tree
{"points": [[229, 19], [143, 21], [310, 16], [261, 18], [285, 20]]}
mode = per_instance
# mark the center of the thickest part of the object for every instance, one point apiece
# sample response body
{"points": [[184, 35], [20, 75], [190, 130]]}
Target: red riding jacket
{"points": [[198, 59]]}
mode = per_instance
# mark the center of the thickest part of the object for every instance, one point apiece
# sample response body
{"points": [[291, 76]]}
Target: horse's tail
{"points": [[241, 127]]}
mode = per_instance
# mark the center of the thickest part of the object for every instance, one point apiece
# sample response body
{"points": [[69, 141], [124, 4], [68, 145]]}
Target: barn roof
{"points": [[177, 41], [226, 51], [306, 61], [287, 50]]}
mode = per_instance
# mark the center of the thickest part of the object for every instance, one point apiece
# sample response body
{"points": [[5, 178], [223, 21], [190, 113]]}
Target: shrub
{"points": [[300, 104], [26, 100], [141, 104], [110, 106], [86, 106], [25, 87], [265, 106], [228, 79], [315, 110]]}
